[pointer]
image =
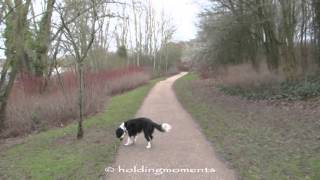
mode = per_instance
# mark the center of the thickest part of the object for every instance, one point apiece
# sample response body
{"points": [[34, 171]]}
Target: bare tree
{"points": [[167, 29], [137, 27], [80, 34]]}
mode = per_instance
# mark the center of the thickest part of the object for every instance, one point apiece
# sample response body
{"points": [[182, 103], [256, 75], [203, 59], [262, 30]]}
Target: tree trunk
{"points": [[290, 65], [80, 99], [316, 5], [270, 40], [167, 58], [288, 24], [43, 40], [19, 19], [5, 96]]}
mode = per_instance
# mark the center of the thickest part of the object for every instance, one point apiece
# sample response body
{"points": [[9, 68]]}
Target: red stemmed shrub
{"points": [[30, 109]]}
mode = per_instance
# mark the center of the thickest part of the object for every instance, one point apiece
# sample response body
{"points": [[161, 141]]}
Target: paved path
{"points": [[183, 149]]}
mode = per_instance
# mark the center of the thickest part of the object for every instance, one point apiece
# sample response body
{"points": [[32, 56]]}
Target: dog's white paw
{"points": [[149, 145], [128, 144]]}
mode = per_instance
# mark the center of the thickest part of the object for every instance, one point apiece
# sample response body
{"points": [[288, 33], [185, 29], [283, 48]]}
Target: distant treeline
{"points": [[285, 34]]}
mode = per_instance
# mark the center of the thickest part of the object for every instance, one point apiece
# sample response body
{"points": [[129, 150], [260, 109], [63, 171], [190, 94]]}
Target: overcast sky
{"points": [[184, 15]]}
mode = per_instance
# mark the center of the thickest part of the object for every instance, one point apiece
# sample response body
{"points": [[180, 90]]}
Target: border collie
{"points": [[133, 127]]}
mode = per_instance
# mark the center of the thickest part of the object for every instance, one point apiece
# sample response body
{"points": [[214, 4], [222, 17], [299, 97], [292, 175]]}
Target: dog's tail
{"points": [[165, 127]]}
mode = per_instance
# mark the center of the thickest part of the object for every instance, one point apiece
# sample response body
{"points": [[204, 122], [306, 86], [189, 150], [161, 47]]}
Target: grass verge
{"points": [[56, 154], [259, 143]]}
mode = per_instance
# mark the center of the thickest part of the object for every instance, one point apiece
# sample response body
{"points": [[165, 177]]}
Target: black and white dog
{"points": [[133, 127]]}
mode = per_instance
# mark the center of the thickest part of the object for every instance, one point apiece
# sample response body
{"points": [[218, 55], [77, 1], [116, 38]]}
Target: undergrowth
{"points": [[291, 91]]}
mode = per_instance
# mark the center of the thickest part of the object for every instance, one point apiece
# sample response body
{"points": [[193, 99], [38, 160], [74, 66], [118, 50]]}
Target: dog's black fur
{"points": [[137, 125]]}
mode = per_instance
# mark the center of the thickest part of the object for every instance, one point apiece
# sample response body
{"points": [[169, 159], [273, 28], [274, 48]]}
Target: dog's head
{"points": [[121, 131]]}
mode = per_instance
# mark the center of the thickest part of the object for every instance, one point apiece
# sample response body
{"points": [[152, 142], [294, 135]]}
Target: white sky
{"points": [[184, 16]]}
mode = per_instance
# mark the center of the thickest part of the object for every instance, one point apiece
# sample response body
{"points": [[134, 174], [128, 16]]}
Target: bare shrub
{"points": [[244, 75]]}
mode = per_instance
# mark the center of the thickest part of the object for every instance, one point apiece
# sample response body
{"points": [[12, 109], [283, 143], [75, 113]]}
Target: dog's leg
{"points": [[146, 135], [149, 142], [135, 138], [148, 145], [129, 141]]}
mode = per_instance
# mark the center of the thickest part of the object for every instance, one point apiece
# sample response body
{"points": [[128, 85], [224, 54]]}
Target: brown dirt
{"points": [[185, 147]]}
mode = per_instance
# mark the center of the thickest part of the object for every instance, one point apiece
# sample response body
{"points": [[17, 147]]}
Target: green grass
{"points": [[56, 154], [257, 144]]}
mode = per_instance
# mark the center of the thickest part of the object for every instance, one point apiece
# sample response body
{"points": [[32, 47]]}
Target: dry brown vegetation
{"points": [[28, 111], [244, 75]]}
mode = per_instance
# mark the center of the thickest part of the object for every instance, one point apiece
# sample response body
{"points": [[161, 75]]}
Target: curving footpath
{"points": [[183, 153]]}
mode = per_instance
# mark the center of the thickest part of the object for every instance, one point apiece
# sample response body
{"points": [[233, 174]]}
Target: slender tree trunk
{"points": [[303, 38], [154, 63], [80, 100], [316, 5], [167, 58], [140, 43]]}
